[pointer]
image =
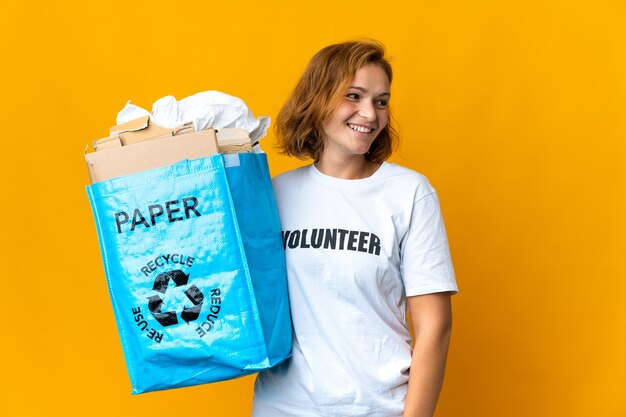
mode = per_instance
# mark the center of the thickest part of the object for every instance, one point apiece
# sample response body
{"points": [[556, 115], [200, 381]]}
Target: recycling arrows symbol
{"points": [[169, 318]]}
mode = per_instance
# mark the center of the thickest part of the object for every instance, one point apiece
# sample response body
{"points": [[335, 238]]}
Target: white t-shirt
{"points": [[355, 250]]}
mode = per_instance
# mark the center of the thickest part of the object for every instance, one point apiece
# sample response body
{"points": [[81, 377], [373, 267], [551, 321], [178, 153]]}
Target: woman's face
{"points": [[352, 127]]}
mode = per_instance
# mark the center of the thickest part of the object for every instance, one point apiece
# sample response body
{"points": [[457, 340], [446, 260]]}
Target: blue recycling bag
{"points": [[195, 268]]}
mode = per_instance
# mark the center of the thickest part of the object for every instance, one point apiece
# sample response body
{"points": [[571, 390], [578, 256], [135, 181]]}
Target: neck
{"points": [[353, 168]]}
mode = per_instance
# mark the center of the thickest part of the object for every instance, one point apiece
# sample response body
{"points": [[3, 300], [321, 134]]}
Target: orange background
{"points": [[516, 112]]}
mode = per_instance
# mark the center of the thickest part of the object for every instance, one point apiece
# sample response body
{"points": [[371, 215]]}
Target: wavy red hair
{"points": [[318, 93]]}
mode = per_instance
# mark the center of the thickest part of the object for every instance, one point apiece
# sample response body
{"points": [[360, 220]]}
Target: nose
{"points": [[367, 110]]}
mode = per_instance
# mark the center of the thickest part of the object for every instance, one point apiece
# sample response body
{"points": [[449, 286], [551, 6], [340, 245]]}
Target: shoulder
{"points": [[408, 180], [290, 177]]}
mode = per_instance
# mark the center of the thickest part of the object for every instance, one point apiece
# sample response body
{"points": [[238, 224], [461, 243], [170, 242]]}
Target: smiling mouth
{"points": [[361, 129]]}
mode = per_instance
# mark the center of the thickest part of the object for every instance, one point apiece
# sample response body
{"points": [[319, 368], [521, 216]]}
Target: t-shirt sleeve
{"points": [[426, 265]]}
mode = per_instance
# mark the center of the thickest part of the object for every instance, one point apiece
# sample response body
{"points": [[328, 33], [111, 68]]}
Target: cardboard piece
{"points": [[116, 161], [140, 145], [107, 143], [233, 140], [142, 129]]}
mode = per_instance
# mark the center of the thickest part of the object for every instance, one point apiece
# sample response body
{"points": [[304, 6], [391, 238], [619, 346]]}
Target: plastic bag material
{"points": [[196, 271], [206, 109]]}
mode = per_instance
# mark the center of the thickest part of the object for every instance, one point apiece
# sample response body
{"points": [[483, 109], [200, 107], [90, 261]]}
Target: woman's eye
{"points": [[382, 103], [352, 96]]}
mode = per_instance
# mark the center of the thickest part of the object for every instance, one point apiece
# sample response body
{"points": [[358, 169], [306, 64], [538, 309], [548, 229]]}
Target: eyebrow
{"points": [[364, 90]]}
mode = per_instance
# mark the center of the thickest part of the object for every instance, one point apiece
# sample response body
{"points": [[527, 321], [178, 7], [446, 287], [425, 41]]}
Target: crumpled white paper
{"points": [[206, 109]]}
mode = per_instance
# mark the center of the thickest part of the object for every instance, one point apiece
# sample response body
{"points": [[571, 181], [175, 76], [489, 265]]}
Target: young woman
{"points": [[363, 239]]}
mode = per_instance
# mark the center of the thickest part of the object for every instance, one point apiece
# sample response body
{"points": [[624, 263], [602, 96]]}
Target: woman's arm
{"points": [[431, 316]]}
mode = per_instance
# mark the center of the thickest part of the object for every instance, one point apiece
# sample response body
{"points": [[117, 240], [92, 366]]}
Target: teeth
{"points": [[360, 128]]}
